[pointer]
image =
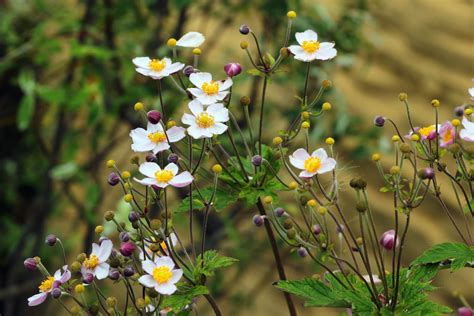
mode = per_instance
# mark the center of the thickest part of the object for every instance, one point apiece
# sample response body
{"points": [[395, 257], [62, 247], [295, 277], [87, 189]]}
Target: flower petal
{"points": [[102, 271], [141, 62], [218, 128], [177, 274], [196, 107], [147, 281], [164, 261], [225, 84], [175, 134], [199, 78], [173, 68], [191, 39], [37, 299], [320, 153], [167, 288], [298, 158], [308, 35], [172, 167], [105, 250], [146, 181], [149, 168], [148, 266], [327, 165], [219, 112], [188, 119], [181, 180]]}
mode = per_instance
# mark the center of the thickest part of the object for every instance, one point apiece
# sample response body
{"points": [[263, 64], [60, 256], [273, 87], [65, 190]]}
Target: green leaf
{"points": [[222, 199], [183, 297], [27, 83], [64, 171], [459, 254], [212, 261]]}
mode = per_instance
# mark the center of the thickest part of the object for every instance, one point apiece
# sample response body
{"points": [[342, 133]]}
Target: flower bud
{"points": [[155, 224], [291, 15], [435, 103], [395, 138], [114, 274], [464, 311], [138, 106], [361, 207], [456, 122], [232, 69], [79, 288], [402, 96], [173, 158], [330, 141], [394, 170], [111, 301], [302, 252], [30, 264], [196, 51], [56, 292], [88, 278], [244, 29], [358, 183], [151, 158], [217, 168], [326, 83], [51, 240], [376, 157], [127, 248], [124, 236], [277, 141], [154, 117], [75, 266], [244, 45], [388, 240], [379, 121], [126, 175], [188, 70], [128, 271], [291, 233], [284, 52], [245, 100], [468, 111], [110, 163], [459, 111], [405, 148], [293, 185], [426, 173], [279, 211], [326, 106], [316, 229], [109, 215], [415, 137], [99, 229], [128, 198], [258, 220], [305, 125], [133, 217], [268, 199], [287, 224], [171, 42], [257, 160], [312, 203]]}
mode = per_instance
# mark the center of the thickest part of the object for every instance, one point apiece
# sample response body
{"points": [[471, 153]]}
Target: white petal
{"points": [[105, 250], [147, 281], [142, 147], [175, 134], [102, 271], [173, 168], [219, 112], [206, 99], [148, 266], [177, 274], [191, 39], [141, 62], [320, 153], [159, 147], [467, 135], [167, 288], [174, 68], [217, 128], [296, 49], [139, 135], [188, 119], [181, 180], [308, 35], [196, 92], [95, 249], [196, 107], [467, 124], [225, 85], [151, 128], [306, 57], [164, 261], [197, 132], [37, 299], [326, 54], [306, 174], [146, 181], [298, 158], [149, 168], [199, 78], [327, 165]]}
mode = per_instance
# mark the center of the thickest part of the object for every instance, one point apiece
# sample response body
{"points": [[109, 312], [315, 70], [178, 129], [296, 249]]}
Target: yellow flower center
{"points": [[312, 164], [164, 176], [157, 137], [91, 262], [205, 120], [157, 65], [425, 131], [162, 274], [447, 136], [46, 285], [310, 46], [210, 88]]}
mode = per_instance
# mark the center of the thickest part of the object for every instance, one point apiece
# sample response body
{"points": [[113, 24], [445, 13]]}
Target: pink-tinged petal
{"points": [[167, 288], [164, 261], [219, 112], [37, 299], [173, 168], [159, 147], [141, 62], [320, 153], [57, 274], [327, 165], [102, 271], [147, 281], [308, 35], [298, 158], [65, 277], [191, 39], [467, 124], [105, 250], [198, 93], [225, 84], [149, 169], [148, 266], [196, 107], [146, 181], [467, 135], [176, 275], [175, 134], [199, 78], [305, 174], [181, 180], [218, 128]]}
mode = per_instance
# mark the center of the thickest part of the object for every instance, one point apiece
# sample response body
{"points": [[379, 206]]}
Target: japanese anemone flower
{"points": [[447, 134], [154, 138], [161, 275], [156, 68], [191, 39], [171, 240], [208, 91], [310, 49], [154, 175], [96, 263], [48, 284], [316, 163], [467, 133], [205, 122]]}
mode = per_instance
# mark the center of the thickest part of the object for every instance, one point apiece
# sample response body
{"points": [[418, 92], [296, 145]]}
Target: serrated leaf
{"points": [[459, 254], [222, 199], [183, 297], [212, 261]]}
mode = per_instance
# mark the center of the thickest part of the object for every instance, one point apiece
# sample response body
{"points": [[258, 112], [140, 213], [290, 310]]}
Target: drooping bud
{"points": [[257, 160], [128, 271], [279, 212], [127, 248], [173, 158], [388, 240], [405, 148], [30, 264], [133, 217], [302, 252], [361, 207], [154, 117], [151, 158], [426, 173], [56, 292], [316, 229], [232, 69], [258, 220], [188, 70], [379, 121], [51, 240], [459, 111], [244, 29], [464, 311], [114, 274], [124, 236]]}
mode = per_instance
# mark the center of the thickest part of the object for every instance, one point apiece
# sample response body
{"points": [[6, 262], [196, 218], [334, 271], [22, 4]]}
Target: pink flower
{"points": [[388, 240], [48, 284], [447, 134]]}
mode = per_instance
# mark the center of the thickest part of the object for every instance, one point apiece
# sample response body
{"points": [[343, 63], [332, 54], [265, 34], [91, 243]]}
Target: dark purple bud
{"points": [[173, 158], [128, 271], [133, 217], [258, 220], [154, 117], [279, 211], [30, 264], [151, 158], [51, 240], [257, 160], [56, 292], [459, 111], [113, 179], [388, 240], [244, 29], [302, 252], [127, 248], [114, 274], [232, 69], [426, 173], [316, 229], [88, 278], [188, 70], [339, 229], [379, 121], [124, 236], [464, 311]]}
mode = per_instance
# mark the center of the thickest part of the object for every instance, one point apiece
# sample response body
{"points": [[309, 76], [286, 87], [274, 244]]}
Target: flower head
{"points": [[48, 284], [447, 134], [316, 163], [232, 69], [388, 240], [206, 123], [191, 39], [310, 48], [156, 68], [154, 175], [154, 138], [467, 133], [208, 91], [96, 263], [161, 275]]}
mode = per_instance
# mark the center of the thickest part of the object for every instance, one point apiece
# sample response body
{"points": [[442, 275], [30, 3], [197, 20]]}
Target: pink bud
{"points": [[232, 69], [464, 311], [127, 249], [388, 240], [30, 264]]}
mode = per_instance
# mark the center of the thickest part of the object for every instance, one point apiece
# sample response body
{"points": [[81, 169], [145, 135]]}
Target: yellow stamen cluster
{"points": [[162, 274], [448, 135], [157, 64], [47, 284], [210, 88], [204, 120], [164, 176], [91, 262], [425, 131], [157, 137], [310, 46], [312, 164]]}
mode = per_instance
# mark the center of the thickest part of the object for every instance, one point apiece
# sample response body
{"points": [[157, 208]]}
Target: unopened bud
{"points": [[154, 117], [379, 121], [51, 240], [258, 220], [257, 160], [30, 264], [244, 29]]}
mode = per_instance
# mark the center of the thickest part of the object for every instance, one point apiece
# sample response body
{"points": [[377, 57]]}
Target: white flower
{"points": [[191, 39], [154, 138], [317, 163], [96, 262], [208, 91], [161, 275], [310, 49], [163, 177], [467, 133], [205, 123], [471, 92], [172, 239], [48, 284], [156, 68]]}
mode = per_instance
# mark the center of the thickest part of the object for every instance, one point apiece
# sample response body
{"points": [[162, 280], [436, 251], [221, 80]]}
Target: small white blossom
{"points": [[208, 91], [316, 163], [161, 275], [96, 263], [154, 138], [48, 284], [310, 48], [204, 123], [156, 68], [154, 175]]}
